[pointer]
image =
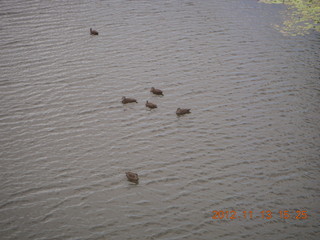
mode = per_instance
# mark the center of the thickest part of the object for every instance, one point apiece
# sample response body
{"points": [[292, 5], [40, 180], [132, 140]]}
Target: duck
{"points": [[182, 111], [128, 100], [156, 91], [151, 105], [132, 177], [93, 32]]}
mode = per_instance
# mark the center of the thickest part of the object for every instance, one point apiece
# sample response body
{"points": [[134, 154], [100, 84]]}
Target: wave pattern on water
{"points": [[251, 141]]}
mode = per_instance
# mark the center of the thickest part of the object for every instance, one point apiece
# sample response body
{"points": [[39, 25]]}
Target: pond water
{"points": [[249, 148]]}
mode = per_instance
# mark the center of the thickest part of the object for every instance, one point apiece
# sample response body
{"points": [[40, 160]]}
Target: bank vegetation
{"points": [[301, 16]]}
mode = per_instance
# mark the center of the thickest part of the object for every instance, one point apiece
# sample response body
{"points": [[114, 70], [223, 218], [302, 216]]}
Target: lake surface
{"points": [[251, 142]]}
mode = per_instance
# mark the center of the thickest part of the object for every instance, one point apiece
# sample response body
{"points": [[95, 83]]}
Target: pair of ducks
{"points": [[156, 92], [180, 111]]}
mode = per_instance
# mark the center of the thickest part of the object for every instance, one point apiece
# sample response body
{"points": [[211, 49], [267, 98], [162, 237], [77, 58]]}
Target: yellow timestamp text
{"points": [[266, 214]]}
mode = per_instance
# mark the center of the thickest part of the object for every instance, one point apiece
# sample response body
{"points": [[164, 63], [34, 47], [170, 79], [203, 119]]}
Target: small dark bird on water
{"points": [[151, 105], [93, 32], [132, 177], [182, 111], [128, 100], [156, 91]]}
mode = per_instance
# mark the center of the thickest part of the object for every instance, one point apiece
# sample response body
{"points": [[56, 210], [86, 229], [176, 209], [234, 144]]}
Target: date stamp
{"points": [[266, 214]]}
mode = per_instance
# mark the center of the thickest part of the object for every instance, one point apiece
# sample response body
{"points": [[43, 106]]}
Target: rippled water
{"points": [[251, 142]]}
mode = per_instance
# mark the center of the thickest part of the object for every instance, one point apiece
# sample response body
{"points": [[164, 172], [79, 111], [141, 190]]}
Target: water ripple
{"points": [[250, 142]]}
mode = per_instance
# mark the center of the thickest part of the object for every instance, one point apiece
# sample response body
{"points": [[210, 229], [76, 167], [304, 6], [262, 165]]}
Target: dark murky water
{"points": [[251, 142]]}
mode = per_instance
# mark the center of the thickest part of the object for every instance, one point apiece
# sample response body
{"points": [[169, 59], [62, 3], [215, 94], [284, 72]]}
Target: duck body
{"points": [[132, 177], [156, 91], [182, 111], [93, 32], [151, 105], [126, 100]]}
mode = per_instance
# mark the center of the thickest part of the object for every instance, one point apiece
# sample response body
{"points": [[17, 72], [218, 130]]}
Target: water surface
{"points": [[251, 142]]}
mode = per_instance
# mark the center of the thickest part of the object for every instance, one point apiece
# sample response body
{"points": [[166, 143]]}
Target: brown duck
{"points": [[132, 177], [151, 105], [182, 111], [93, 32], [128, 100], [156, 91]]}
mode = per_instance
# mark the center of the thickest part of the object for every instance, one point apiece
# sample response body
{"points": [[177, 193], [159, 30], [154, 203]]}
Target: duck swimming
{"points": [[93, 32], [128, 100], [156, 91], [132, 177], [182, 111], [151, 105]]}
